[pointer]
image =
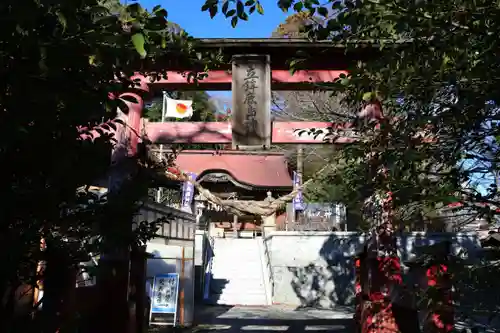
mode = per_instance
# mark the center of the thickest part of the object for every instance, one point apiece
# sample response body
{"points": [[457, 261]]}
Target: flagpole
{"points": [[159, 192]]}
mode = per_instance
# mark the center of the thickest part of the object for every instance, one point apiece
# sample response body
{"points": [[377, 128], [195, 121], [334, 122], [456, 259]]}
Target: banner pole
{"points": [[181, 296], [159, 191]]}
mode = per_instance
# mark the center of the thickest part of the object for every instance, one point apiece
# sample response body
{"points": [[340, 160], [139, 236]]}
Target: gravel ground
{"points": [[264, 319]]}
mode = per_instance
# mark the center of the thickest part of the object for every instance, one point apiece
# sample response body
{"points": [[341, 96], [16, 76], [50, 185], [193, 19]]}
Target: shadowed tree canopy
{"points": [[434, 69], [421, 72], [59, 62]]}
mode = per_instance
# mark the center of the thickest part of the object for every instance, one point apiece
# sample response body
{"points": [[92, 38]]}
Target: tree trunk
{"points": [[59, 289]]}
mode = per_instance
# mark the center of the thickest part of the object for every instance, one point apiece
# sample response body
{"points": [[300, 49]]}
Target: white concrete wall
{"points": [[316, 269]]}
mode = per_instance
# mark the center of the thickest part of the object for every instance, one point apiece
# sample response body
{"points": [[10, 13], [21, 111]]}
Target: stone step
{"points": [[221, 284], [233, 267], [235, 262], [224, 276], [236, 268], [235, 256], [237, 277], [250, 290], [239, 299]]}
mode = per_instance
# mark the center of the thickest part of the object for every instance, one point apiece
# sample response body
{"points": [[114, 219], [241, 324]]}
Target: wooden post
{"points": [[300, 160], [235, 226], [138, 279], [300, 171], [114, 267], [182, 280], [39, 272], [59, 289]]}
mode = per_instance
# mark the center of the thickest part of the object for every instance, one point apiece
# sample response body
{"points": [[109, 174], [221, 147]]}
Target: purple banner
{"points": [[188, 191], [298, 200]]}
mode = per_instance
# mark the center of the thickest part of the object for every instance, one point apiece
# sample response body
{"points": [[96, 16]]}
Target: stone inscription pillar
{"points": [[251, 90]]}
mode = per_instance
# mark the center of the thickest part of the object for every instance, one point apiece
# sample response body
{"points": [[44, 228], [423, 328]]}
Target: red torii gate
{"points": [[326, 63]]}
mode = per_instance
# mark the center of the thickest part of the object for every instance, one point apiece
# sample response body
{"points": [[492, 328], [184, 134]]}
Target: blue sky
{"points": [[188, 15]]}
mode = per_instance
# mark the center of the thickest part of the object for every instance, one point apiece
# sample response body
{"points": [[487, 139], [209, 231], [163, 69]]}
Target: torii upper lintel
{"points": [[322, 61]]}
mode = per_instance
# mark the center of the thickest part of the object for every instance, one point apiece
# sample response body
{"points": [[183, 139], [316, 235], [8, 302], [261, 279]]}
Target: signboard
{"points": [[188, 192], [298, 200], [164, 295], [332, 213], [251, 91]]}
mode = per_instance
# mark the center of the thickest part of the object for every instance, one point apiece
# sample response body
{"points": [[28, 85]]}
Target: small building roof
{"points": [[266, 170]]}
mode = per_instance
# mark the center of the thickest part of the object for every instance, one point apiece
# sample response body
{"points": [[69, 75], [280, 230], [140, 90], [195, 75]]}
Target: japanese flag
{"points": [[175, 108]]}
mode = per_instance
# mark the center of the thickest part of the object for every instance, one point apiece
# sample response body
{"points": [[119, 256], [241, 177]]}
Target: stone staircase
{"points": [[237, 272]]}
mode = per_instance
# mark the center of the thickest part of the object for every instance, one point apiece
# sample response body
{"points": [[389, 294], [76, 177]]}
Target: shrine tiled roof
{"points": [[267, 169]]}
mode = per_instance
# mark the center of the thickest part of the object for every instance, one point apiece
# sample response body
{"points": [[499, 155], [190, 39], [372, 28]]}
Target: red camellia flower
{"points": [[173, 170], [437, 321], [431, 283]]}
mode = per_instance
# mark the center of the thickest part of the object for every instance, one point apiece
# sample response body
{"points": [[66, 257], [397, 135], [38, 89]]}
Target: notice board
{"points": [[164, 299]]}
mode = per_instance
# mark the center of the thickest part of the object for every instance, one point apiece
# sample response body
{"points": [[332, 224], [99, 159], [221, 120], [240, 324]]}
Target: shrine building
{"points": [[236, 175]]}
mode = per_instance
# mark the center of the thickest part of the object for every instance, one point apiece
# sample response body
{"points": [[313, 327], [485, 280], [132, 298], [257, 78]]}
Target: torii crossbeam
{"points": [[326, 63]]}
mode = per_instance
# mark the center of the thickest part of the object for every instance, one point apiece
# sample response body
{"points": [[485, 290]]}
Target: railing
{"points": [[308, 224], [315, 217], [267, 258], [179, 225]]}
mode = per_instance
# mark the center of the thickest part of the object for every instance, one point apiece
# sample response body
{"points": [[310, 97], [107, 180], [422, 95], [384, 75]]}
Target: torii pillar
{"points": [[114, 266]]}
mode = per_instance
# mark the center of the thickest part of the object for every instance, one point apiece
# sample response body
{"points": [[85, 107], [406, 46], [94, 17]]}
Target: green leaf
{"points": [[213, 11], [244, 16], [139, 44], [155, 23], [322, 11], [368, 96], [260, 9], [234, 21], [240, 8], [249, 3], [134, 9], [450, 199], [337, 5], [251, 10], [225, 7], [332, 25], [231, 13], [62, 20], [294, 65], [161, 13], [298, 6]]}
